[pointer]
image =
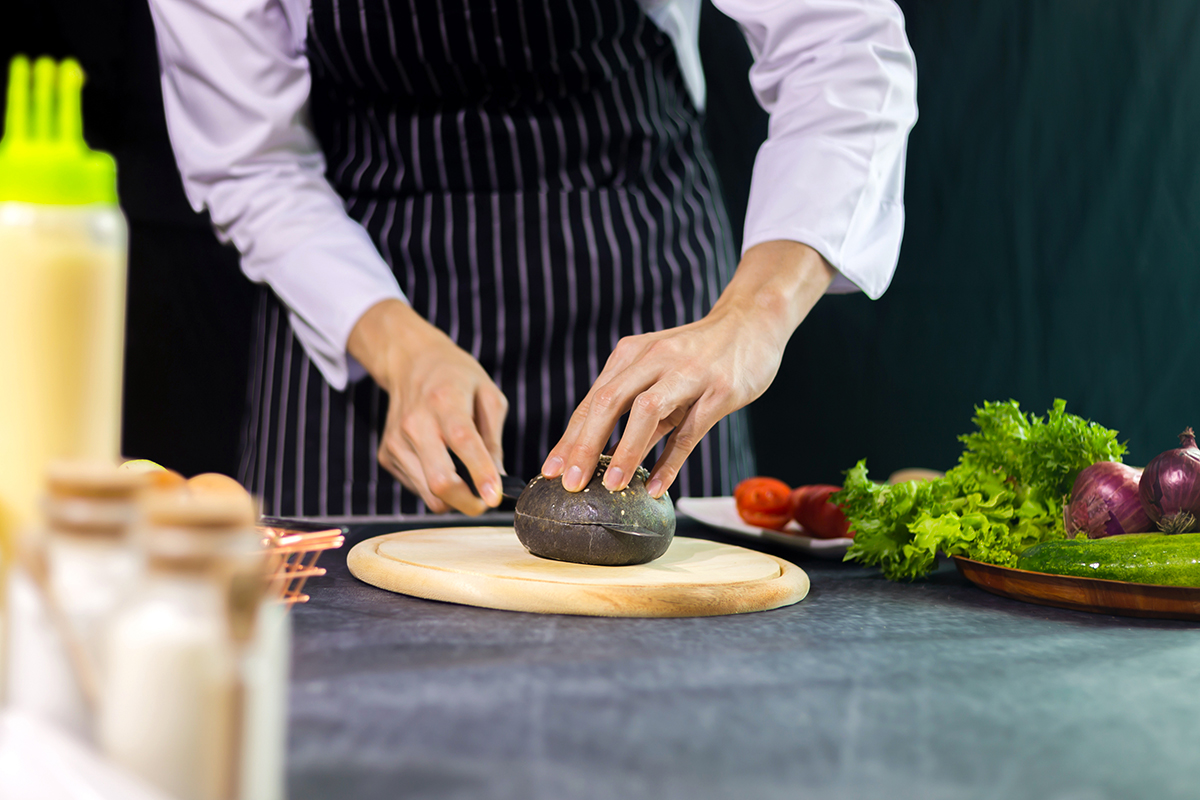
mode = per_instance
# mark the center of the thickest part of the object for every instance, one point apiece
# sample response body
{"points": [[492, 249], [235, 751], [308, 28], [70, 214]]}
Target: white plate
{"points": [[721, 513]]}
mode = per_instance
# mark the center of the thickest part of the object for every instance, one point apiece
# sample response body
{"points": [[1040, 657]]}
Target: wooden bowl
{"points": [[1084, 594]]}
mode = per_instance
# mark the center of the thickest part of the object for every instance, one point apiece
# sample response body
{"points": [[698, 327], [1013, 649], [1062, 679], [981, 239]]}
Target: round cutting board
{"points": [[488, 567]]}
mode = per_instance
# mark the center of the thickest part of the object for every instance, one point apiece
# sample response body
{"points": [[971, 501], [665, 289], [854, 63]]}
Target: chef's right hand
{"points": [[439, 398]]}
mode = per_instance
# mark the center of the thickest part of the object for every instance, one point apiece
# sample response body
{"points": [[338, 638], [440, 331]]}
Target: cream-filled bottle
{"points": [[62, 288], [63, 245]]}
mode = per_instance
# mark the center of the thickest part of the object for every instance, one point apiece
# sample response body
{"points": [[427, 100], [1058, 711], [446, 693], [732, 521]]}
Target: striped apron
{"points": [[533, 172]]}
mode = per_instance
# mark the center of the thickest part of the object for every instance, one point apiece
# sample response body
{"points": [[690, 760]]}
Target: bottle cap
{"points": [[200, 532], [182, 509], [43, 157], [86, 478], [89, 498]]}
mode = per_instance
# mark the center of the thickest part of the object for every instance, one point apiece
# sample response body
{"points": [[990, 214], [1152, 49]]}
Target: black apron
{"points": [[534, 174]]}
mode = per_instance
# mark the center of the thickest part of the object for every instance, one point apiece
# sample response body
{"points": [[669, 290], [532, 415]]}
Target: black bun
{"points": [[568, 526]]}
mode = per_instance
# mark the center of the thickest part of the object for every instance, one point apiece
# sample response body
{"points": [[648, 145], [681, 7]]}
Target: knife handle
{"points": [[510, 485]]}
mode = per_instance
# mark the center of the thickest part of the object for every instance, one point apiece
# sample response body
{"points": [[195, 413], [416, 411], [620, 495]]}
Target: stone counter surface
{"points": [[866, 689]]}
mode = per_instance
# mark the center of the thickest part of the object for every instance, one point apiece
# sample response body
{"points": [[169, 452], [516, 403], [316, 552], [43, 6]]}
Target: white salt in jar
{"points": [[75, 568], [193, 696]]}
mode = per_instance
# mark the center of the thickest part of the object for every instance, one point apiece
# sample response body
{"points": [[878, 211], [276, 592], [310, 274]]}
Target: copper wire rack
{"points": [[293, 557]]}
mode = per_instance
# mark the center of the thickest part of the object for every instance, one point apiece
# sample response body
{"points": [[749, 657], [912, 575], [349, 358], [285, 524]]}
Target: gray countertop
{"points": [[866, 689]]}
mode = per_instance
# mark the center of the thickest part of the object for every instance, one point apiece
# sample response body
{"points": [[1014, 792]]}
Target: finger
{"points": [[626, 353], [664, 428], [395, 456], [698, 421], [648, 397], [431, 447], [462, 435], [466, 443], [645, 427], [583, 446], [555, 463], [406, 468], [663, 404]]}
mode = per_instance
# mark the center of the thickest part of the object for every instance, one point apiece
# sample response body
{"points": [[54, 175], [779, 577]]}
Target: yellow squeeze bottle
{"points": [[63, 247]]}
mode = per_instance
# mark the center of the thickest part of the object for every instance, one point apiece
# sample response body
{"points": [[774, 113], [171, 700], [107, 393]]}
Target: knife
{"points": [[510, 485]]}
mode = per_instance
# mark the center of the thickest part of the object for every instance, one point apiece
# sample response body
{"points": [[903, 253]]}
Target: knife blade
{"points": [[632, 530]]}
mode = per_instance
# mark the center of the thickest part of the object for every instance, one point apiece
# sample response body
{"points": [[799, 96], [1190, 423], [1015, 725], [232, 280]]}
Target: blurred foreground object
{"points": [[62, 287], [194, 693], [148, 614], [72, 572], [294, 554], [40, 762], [294, 546]]}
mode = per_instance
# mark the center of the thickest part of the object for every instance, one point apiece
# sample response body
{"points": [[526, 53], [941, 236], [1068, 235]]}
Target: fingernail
{"points": [[574, 479], [612, 478], [654, 488], [491, 494], [553, 467]]}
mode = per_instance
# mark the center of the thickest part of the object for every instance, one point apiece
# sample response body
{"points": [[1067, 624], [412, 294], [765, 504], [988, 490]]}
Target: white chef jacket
{"points": [[838, 79]]}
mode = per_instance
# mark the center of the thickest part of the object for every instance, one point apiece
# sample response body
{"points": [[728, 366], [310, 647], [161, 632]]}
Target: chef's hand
{"points": [[439, 397], [683, 380]]}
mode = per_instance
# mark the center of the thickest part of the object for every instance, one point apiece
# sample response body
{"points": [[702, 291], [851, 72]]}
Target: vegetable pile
{"points": [[1006, 493]]}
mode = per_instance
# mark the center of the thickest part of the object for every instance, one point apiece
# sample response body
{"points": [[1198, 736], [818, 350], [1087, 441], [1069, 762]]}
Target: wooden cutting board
{"points": [[488, 567]]}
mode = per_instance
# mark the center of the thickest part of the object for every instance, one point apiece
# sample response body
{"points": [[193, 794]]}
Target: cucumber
{"points": [[1166, 560]]}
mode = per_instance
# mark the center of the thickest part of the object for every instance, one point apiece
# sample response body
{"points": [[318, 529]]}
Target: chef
{"points": [[481, 224]]}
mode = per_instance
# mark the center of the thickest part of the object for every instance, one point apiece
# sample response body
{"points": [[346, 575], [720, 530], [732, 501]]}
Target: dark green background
{"points": [[1051, 250], [1053, 203]]}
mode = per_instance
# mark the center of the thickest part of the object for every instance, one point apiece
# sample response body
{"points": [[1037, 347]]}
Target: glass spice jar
{"points": [[72, 572], [193, 697]]}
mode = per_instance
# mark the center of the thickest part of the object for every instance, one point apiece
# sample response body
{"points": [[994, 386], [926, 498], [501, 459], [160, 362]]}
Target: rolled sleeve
{"points": [[838, 80], [235, 90]]}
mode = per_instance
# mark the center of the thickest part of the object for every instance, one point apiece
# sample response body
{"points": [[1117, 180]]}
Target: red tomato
{"points": [[763, 494], [820, 518], [763, 502]]}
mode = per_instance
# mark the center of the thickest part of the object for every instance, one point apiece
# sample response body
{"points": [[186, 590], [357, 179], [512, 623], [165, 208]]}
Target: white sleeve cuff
{"points": [[328, 280]]}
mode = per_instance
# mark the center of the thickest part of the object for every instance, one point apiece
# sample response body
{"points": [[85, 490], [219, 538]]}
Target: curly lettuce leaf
{"points": [[1005, 495]]}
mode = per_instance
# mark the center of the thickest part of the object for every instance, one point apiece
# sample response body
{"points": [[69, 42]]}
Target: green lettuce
{"points": [[1005, 495]]}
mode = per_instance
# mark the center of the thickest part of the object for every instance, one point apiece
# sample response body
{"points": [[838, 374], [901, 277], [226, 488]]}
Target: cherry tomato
{"points": [[820, 518], [762, 494]]}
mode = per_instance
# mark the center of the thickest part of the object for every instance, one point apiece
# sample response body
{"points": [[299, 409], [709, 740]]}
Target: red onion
{"points": [[1105, 502], [1170, 486]]}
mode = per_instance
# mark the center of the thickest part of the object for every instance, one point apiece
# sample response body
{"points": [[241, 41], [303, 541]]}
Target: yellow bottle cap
{"points": [[43, 157]]}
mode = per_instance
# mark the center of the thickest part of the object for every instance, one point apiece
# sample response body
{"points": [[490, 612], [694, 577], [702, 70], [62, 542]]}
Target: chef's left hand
{"points": [[683, 380]]}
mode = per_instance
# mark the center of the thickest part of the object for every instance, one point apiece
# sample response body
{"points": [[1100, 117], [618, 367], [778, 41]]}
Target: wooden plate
{"points": [[1084, 594], [488, 567]]}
